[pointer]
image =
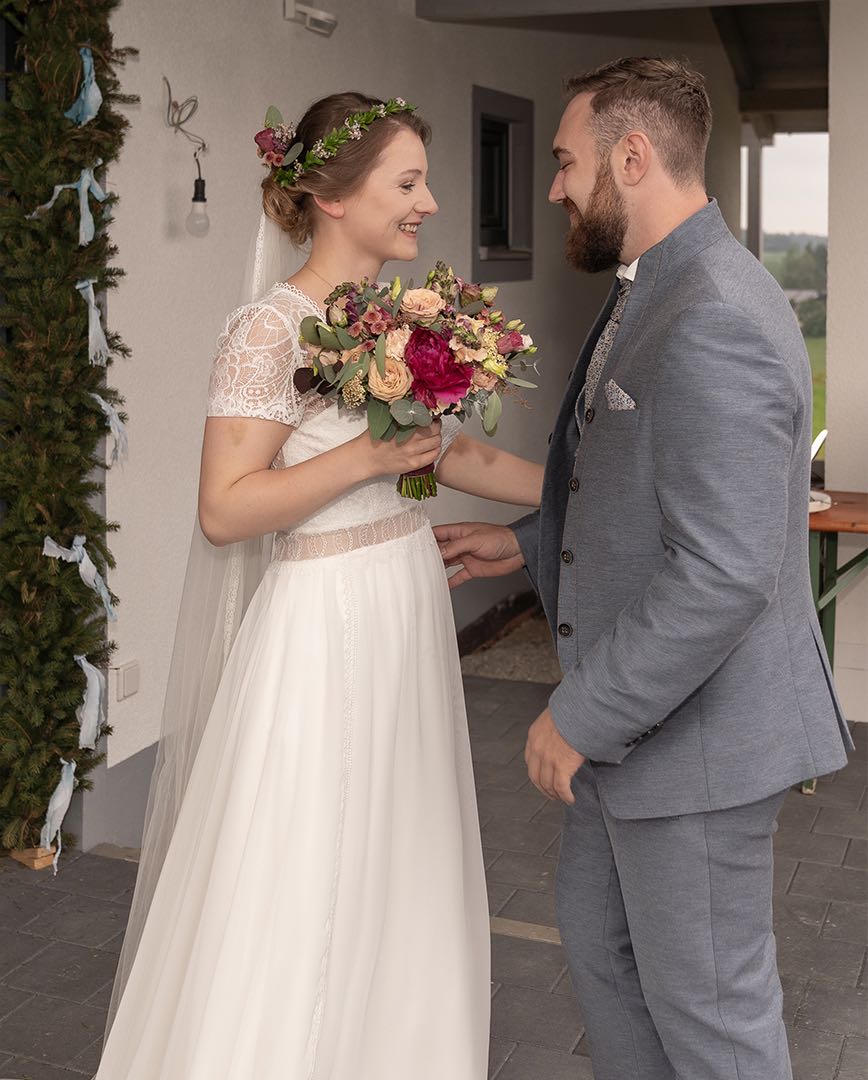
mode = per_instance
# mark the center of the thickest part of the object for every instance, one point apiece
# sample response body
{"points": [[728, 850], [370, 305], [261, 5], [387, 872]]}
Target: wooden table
{"points": [[847, 514]]}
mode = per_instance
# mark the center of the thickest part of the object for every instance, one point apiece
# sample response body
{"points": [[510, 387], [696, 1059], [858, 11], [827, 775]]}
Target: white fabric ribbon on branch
{"points": [[86, 569], [120, 445], [92, 708], [85, 183], [58, 804], [97, 346], [89, 98]]}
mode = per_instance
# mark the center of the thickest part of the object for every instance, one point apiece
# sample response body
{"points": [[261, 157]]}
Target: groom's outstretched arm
{"points": [[526, 531], [479, 549], [723, 414]]}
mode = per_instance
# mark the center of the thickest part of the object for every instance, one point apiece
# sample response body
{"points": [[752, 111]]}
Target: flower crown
{"points": [[277, 146]]}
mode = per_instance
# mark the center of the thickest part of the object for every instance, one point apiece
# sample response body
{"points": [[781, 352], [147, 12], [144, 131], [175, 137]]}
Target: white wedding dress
{"points": [[321, 913]]}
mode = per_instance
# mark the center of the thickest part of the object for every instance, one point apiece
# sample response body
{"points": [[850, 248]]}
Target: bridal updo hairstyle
{"points": [[292, 207]]}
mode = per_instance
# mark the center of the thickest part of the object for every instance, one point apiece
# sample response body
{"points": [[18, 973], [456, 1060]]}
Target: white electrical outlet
{"points": [[127, 679]]}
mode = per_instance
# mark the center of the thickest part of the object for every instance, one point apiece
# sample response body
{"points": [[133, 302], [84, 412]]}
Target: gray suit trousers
{"points": [[667, 925]]}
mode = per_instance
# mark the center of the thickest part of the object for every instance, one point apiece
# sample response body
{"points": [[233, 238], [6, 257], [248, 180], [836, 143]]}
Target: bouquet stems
{"points": [[417, 485]]}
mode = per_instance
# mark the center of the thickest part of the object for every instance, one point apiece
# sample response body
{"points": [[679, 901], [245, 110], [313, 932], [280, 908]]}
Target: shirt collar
{"points": [[628, 272]]}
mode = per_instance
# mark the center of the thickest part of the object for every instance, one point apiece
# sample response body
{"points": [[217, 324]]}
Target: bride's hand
{"points": [[389, 458]]}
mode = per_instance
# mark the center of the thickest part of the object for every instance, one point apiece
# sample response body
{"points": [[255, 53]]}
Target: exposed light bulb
{"points": [[197, 222]]}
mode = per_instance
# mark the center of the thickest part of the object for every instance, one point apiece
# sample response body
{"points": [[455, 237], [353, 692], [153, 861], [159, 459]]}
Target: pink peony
{"points": [[437, 378], [510, 343]]}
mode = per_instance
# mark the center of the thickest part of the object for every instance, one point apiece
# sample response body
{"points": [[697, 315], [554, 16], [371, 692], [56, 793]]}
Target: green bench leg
{"points": [[823, 556]]}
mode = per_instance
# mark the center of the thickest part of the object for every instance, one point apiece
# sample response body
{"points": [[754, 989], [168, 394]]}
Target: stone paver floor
{"points": [[59, 937]]}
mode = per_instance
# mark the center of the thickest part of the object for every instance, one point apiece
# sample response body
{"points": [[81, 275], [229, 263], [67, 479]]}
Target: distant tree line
{"points": [[805, 268], [785, 241], [802, 267]]}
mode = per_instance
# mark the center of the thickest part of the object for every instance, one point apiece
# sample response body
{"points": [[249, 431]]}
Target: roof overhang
{"points": [[778, 49]]}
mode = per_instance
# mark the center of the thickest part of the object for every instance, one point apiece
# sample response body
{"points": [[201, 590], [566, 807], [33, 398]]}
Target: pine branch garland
{"points": [[51, 427]]}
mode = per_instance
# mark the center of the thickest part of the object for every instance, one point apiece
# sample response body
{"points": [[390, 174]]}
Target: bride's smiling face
{"points": [[383, 217]]}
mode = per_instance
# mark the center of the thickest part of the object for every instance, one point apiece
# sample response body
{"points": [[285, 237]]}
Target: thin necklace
{"points": [[330, 288]]}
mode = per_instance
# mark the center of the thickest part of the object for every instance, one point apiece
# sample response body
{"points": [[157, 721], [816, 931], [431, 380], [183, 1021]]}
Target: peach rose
{"points": [[422, 304], [484, 380], [392, 385]]}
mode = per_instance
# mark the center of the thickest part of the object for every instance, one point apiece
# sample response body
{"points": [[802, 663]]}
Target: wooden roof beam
{"points": [[775, 100], [729, 29]]}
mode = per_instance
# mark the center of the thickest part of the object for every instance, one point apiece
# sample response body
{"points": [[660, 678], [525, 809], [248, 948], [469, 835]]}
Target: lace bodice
{"points": [[252, 376]]}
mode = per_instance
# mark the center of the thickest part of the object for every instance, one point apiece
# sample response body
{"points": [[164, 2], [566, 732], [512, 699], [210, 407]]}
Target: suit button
{"points": [[565, 630], [589, 414], [574, 484], [567, 556]]}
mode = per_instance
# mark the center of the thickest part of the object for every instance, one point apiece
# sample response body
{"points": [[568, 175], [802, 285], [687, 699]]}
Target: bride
{"points": [[311, 902]]}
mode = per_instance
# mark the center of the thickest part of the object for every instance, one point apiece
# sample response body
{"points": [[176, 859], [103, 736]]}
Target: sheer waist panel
{"points": [[295, 546]]}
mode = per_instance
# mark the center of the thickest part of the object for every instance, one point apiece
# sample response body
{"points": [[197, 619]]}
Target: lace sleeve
{"points": [[257, 356], [450, 430]]}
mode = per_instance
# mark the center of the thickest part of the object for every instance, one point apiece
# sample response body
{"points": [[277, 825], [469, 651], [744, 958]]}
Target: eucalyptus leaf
{"points": [[292, 153], [472, 309], [348, 372], [521, 382], [396, 307], [308, 329], [380, 354], [390, 431], [327, 338], [346, 342], [404, 434], [402, 411], [379, 418], [274, 117], [421, 414], [493, 409]]}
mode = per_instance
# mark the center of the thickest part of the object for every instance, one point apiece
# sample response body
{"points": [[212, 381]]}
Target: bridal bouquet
{"points": [[410, 355]]}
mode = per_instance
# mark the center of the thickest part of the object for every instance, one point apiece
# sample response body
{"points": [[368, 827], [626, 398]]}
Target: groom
{"points": [[671, 555]]}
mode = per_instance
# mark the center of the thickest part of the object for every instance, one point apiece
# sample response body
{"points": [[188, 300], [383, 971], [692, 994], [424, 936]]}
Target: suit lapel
{"points": [[559, 464], [577, 375], [634, 310]]}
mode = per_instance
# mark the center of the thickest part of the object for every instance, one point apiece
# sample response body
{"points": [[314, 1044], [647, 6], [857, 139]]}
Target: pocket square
{"points": [[618, 399]]}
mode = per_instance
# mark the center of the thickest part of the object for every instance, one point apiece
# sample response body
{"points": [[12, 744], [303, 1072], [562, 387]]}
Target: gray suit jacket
{"points": [[671, 548]]}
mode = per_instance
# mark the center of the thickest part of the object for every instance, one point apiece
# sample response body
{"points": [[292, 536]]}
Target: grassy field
{"points": [[817, 353]]}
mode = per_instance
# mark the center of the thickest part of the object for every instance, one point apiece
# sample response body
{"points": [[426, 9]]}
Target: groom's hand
{"points": [[551, 761], [480, 550]]}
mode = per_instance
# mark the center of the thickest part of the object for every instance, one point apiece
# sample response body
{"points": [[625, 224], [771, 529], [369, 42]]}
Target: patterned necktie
{"points": [[601, 352]]}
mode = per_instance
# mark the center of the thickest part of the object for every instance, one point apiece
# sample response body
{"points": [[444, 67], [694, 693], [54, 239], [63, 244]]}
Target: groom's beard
{"points": [[596, 238]]}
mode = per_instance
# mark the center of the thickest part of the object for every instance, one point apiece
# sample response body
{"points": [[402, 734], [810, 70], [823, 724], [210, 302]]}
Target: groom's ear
{"points": [[333, 208], [631, 158]]}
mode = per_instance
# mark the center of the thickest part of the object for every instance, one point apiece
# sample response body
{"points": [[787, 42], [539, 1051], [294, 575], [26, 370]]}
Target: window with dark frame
{"points": [[494, 183], [502, 186]]}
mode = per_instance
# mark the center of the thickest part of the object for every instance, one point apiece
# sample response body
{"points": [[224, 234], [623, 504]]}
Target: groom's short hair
{"points": [[660, 96]]}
